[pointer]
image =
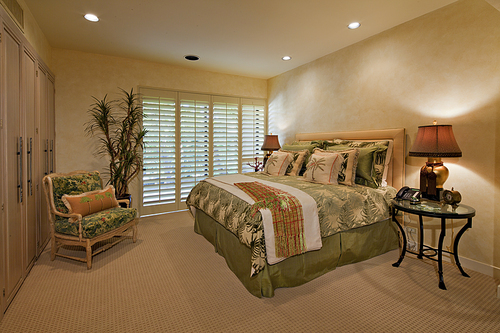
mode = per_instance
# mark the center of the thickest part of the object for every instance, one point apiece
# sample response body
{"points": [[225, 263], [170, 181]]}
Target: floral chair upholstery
{"points": [[67, 228]]}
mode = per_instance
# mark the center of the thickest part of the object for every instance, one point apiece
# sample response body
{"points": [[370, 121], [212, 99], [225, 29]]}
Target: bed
{"points": [[236, 232]]}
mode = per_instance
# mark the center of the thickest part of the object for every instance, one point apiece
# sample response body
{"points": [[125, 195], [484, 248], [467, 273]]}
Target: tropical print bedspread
{"points": [[340, 208]]}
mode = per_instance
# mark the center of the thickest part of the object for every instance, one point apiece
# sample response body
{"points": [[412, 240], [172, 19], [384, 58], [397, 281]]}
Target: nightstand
{"points": [[437, 210]]}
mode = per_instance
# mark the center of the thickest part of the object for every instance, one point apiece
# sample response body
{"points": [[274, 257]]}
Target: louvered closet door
{"points": [[30, 157], [159, 171], [225, 135], [12, 153], [194, 141], [43, 148], [253, 124], [47, 145]]}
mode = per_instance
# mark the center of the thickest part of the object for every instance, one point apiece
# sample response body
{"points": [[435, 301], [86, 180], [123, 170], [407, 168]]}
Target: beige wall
{"points": [[444, 66], [79, 76]]}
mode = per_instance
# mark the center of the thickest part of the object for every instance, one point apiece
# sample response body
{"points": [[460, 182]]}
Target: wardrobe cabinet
{"points": [[27, 149]]}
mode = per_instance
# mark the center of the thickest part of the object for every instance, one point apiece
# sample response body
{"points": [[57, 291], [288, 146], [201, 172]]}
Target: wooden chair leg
{"points": [[89, 255], [134, 233]]}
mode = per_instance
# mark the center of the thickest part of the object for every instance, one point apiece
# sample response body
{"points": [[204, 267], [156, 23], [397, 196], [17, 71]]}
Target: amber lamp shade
{"points": [[434, 142], [271, 143]]}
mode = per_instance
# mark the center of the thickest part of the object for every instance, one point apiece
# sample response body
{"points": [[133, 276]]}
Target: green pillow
{"points": [[316, 143], [366, 171], [379, 158]]}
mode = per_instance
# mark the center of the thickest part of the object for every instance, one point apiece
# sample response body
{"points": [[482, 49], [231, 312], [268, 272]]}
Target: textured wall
{"points": [[79, 76], [445, 66]]}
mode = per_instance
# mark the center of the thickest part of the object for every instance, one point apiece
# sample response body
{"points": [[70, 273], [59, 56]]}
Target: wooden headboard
{"points": [[396, 174]]}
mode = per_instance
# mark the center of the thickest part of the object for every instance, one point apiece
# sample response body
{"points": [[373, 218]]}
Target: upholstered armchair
{"points": [[83, 213]]}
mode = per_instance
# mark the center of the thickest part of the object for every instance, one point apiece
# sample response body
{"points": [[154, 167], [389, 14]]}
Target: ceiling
{"points": [[239, 37]]}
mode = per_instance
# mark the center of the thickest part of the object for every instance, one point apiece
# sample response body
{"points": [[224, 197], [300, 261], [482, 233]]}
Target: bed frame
{"points": [[342, 248]]}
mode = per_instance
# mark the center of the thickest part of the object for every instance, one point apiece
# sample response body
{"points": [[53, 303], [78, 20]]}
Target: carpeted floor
{"points": [[171, 280]]}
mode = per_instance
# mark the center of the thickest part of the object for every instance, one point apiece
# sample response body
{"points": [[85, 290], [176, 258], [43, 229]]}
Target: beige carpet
{"points": [[171, 280]]}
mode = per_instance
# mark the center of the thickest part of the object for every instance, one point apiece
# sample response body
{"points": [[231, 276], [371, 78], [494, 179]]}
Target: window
{"points": [[194, 141], [225, 136], [193, 136], [252, 130]]}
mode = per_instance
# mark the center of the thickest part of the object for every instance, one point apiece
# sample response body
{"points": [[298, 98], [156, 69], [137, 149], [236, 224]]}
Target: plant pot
{"points": [[127, 197]]}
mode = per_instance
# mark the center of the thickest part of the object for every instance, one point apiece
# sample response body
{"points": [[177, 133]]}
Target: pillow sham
{"points": [[324, 168], [381, 159], [294, 147], [316, 143], [347, 172], [278, 163], [299, 158], [366, 170], [90, 202]]}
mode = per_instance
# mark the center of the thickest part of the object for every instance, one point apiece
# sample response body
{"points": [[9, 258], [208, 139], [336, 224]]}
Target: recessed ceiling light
{"points": [[286, 58], [91, 17], [191, 57], [354, 25]]}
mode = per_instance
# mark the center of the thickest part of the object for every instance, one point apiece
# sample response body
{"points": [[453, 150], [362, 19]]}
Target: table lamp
{"points": [[434, 141], [270, 144]]}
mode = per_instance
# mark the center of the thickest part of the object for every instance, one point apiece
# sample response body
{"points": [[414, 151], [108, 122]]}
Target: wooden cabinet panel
{"points": [[30, 158], [27, 143], [12, 50]]}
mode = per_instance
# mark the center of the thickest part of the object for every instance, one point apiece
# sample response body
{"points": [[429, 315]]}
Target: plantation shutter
{"points": [[225, 135], [192, 136], [252, 131], [194, 140], [159, 154]]}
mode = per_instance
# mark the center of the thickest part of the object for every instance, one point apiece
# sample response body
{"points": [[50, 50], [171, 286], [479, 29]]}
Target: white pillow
{"points": [[277, 164], [324, 168], [347, 172]]}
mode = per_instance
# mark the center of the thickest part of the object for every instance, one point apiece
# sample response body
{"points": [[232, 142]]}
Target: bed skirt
{"points": [[340, 249]]}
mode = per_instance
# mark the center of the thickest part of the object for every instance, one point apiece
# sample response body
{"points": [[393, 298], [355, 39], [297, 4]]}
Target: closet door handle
{"points": [[51, 156], [20, 170], [30, 168], [46, 157]]}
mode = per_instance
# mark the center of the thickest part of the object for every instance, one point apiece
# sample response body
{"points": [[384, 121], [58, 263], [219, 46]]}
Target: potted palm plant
{"points": [[117, 125]]}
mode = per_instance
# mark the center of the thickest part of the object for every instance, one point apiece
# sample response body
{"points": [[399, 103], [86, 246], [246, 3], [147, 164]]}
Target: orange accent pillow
{"points": [[91, 202]]}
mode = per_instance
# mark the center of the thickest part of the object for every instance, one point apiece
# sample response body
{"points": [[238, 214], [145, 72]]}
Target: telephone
{"points": [[407, 193]]}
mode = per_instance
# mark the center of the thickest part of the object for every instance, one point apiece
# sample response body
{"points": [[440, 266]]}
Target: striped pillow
{"points": [[347, 172]]}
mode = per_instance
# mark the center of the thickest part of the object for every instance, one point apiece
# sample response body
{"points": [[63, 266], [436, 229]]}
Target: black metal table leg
{"points": [[433, 209], [455, 245], [440, 253], [403, 251], [421, 249]]}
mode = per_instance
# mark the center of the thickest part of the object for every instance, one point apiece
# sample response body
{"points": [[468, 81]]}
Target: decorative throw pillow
{"points": [[299, 158], [90, 202], [366, 170], [74, 184], [347, 172], [381, 158], [277, 164], [324, 168], [301, 145]]}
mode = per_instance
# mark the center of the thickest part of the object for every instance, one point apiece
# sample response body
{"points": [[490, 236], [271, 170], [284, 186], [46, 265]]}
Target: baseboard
{"points": [[476, 266]]}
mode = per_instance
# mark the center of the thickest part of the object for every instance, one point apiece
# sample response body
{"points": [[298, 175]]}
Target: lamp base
{"points": [[434, 197], [432, 177]]}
